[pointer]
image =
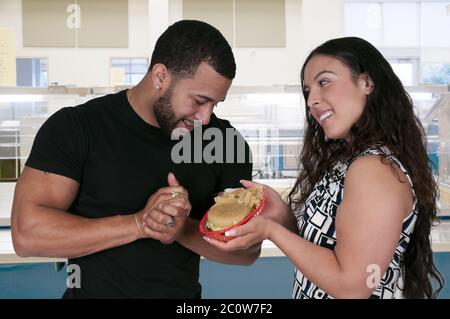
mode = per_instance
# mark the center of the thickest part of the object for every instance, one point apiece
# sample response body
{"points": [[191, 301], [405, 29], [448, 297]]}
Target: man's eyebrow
{"points": [[207, 98], [322, 72]]}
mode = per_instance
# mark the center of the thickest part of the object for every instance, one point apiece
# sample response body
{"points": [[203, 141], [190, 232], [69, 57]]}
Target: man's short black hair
{"points": [[187, 43]]}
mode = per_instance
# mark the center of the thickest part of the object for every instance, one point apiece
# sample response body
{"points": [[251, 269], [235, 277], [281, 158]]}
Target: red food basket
{"points": [[220, 234]]}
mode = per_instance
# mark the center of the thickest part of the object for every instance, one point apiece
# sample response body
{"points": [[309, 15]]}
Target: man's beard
{"points": [[164, 112]]}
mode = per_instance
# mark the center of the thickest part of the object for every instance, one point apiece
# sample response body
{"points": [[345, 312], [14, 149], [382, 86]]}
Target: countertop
{"points": [[7, 194], [440, 237], [440, 234], [6, 198]]}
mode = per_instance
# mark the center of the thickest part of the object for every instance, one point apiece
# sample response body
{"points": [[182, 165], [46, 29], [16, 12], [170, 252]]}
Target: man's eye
{"points": [[199, 102], [323, 82]]}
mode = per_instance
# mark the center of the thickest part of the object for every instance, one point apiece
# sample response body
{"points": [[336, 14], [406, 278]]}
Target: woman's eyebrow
{"points": [[322, 72]]}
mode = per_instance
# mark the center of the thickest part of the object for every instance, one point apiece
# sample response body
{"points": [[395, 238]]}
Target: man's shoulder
{"points": [[96, 107], [219, 123], [80, 115], [99, 103]]}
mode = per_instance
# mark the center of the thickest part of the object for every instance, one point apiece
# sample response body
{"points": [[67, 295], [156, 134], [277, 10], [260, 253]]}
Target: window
{"points": [[32, 72], [406, 70], [401, 23], [436, 23], [131, 70], [364, 20], [433, 73], [409, 33], [380, 23]]}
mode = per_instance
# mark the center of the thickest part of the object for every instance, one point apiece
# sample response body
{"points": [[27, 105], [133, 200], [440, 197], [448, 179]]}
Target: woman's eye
{"points": [[323, 82]]}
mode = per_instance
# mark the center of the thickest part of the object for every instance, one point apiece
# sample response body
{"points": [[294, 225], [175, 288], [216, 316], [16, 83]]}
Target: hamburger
{"points": [[232, 207]]}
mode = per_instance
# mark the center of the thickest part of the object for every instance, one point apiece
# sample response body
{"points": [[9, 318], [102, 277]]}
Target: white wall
{"points": [[274, 66], [281, 66], [321, 20], [81, 66], [158, 12], [435, 55], [308, 23]]}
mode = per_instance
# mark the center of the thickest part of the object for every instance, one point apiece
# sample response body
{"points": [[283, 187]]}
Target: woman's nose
{"points": [[313, 98]]}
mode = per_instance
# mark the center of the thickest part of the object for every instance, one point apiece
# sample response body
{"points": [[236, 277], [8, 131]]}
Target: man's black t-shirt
{"points": [[120, 161]]}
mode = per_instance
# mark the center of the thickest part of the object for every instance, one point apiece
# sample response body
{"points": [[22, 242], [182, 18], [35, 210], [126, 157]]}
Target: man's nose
{"points": [[204, 114]]}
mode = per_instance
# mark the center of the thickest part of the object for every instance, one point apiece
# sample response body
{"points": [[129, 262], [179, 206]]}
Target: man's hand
{"points": [[165, 213]]}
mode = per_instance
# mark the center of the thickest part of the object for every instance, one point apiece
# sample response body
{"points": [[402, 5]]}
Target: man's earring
{"points": [[158, 87]]}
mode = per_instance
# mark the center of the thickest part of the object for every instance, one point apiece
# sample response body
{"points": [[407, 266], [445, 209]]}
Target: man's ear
{"points": [[367, 83], [160, 76]]}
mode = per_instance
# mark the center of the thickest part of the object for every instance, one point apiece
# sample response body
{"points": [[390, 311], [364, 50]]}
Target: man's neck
{"points": [[142, 104]]}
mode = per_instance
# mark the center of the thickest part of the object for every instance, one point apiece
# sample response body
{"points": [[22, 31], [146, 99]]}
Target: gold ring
{"points": [[174, 195]]}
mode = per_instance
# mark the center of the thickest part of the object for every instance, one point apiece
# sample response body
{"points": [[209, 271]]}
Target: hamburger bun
{"points": [[225, 215], [232, 207]]}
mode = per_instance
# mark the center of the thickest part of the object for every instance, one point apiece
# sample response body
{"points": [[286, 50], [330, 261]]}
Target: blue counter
{"points": [[269, 277]]}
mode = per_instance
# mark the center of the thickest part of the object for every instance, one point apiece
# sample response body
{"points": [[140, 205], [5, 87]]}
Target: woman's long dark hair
{"points": [[388, 118]]}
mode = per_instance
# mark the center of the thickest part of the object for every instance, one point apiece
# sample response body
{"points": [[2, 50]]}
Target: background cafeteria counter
{"points": [[269, 277]]}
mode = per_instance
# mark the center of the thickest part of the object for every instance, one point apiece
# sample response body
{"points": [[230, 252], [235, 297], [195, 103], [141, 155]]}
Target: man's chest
{"points": [[123, 177]]}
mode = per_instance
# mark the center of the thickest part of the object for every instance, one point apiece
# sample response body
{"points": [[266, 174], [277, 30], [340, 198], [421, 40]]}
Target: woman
{"points": [[361, 135]]}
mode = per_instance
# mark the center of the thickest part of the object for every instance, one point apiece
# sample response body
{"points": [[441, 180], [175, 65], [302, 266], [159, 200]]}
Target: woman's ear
{"points": [[367, 83]]}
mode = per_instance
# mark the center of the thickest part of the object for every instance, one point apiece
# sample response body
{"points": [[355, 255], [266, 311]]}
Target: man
{"points": [[100, 186]]}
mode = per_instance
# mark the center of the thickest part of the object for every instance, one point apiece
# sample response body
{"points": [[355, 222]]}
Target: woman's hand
{"points": [[248, 235], [259, 227], [275, 208]]}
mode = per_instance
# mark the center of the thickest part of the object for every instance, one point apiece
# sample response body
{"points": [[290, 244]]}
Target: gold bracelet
{"points": [[138, 225]]}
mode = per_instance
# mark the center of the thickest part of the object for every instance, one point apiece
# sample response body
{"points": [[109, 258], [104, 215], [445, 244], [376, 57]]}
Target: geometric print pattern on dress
{"points": [[316, 223]]}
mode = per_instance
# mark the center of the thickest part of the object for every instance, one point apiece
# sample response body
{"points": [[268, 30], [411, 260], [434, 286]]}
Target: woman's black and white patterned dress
{"points": [[316, 223]]}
